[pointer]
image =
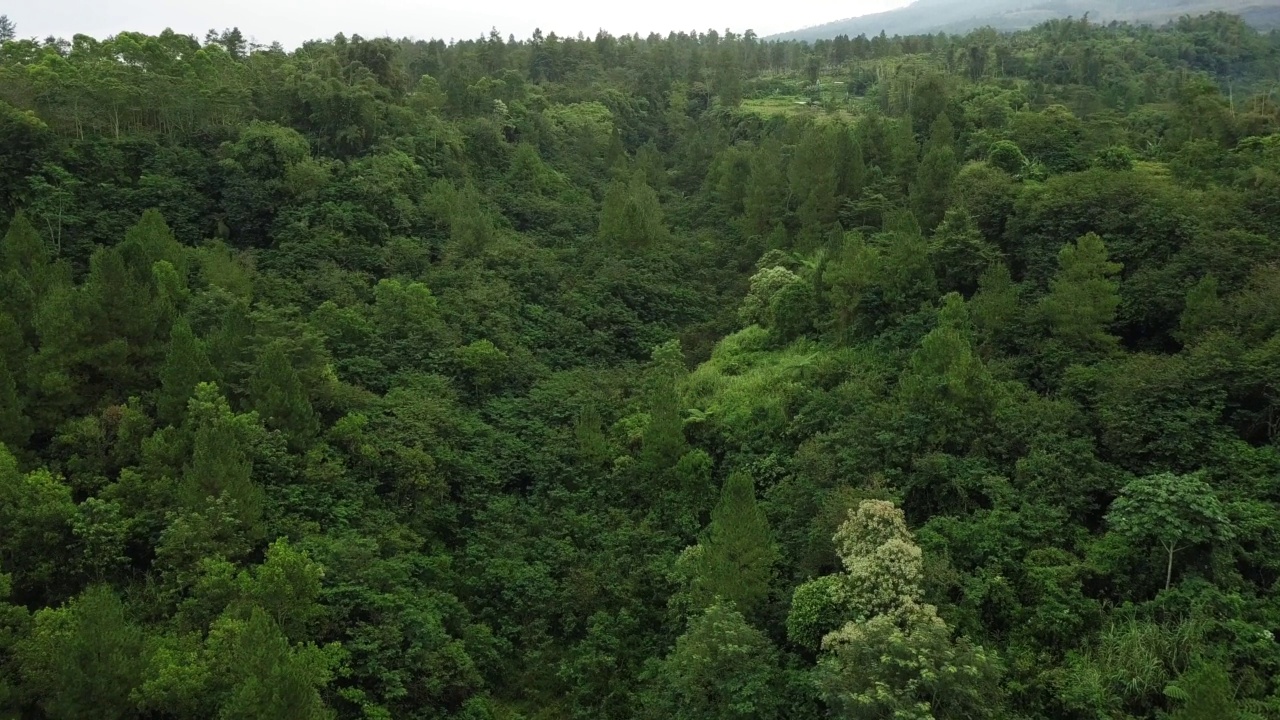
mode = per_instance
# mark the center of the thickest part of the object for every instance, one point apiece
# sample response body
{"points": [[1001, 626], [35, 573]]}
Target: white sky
{"points": [[293, 21]]}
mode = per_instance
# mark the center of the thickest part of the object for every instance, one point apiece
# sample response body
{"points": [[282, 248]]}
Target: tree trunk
{"points": [[1168, 573]]}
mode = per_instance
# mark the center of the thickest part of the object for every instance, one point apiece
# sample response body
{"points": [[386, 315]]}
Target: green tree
{"points": [[36, 513], [1007, 156], [257, 674], [893, 656], [1202, 311], [814, 181], [631, 216], [1081, 305], [878, 669], [220, 466], [186, 365], [15, 427], [1176, 512], [281, 400], [720, 668], [471, 231], [735, 560], [664, 443], [931, 191], [766, 192], [84, 659], [960, 253]]}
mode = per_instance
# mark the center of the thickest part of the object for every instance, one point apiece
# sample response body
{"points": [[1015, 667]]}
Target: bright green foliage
{"points": [[493, 322], [631, 217], [720, 668], [280, 399], [286, 586], [735, 560], [245, 668], [1007, 156], [255, 673], [36, 511], [1176, 512], [766, 285], [879, 669], [1116, 157], [818, 607], [1082, 300], [85, 658]]}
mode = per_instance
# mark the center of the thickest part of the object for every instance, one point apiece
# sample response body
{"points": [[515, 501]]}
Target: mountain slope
{"points": [[955, 16]]}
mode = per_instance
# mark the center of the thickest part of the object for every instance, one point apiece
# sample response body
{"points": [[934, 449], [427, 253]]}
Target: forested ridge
{"points": [[693, 377]]}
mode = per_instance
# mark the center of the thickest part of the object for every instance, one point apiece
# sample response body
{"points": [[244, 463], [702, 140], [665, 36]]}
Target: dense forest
{"points": [[689, 377]]}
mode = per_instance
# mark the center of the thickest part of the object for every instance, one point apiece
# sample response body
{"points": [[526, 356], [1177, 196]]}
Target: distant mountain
{"points": [[959, 16]]}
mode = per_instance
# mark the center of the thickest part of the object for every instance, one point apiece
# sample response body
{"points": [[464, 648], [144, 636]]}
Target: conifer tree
{"points": [[814, 181], [470, 228], [631, 215], [1203, 310], [1083, 297], [280, 399], [663, 443], [737, 556], [255, 673], [720, 669], [931, 192], [766, 189], [84, 659], [995, 309], [186, 365], [22, 250], [851, 168], [960, 253], [15, 428], [220, 466]]}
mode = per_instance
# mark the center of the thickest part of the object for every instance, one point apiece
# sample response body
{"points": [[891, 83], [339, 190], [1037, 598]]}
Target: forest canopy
{"points": [[692, 376]]}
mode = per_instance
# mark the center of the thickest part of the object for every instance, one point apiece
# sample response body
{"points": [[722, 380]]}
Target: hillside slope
{"points": [[932, 16]]}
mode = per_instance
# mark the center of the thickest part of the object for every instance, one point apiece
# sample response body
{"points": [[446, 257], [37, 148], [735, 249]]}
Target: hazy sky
{"points": [[293, 21]]}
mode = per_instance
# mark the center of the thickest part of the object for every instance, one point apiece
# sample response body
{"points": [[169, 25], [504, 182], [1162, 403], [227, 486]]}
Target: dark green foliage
{"points": [[660, 377], [185, 366], [631, 216], [280, 399], [720, 668], [85, 658], [734, 563]]}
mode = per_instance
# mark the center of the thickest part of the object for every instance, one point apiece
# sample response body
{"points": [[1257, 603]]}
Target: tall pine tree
{"points": [[735, 561], [280, 399], [931, 192], [186, 366]]}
